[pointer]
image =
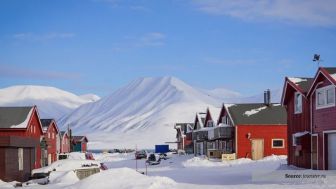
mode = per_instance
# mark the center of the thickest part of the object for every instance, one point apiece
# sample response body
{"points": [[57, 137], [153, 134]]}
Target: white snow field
{"points": [[178, 172], [50, 101]]}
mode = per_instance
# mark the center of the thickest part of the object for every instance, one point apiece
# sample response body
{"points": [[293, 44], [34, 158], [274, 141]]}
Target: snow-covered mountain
{"points": [[51, 102], [143, 113]]}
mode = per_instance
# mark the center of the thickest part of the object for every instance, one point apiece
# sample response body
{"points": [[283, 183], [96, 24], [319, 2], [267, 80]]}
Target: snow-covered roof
{"points": [[297, 80], [300, 134], [15, 117], [254, 111], [200, 116], [258, 113]]}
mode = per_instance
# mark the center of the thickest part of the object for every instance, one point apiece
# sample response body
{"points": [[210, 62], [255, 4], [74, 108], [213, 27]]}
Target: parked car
{"points": [[140, 154]]}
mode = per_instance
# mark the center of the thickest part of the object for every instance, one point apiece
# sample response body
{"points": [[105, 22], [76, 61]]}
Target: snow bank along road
{"points": [[178, 172]]}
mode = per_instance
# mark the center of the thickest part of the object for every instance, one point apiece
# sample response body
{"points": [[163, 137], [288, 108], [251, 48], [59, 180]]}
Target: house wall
{"points": [[33, 130], [84, 146], [265, 132], [298, 123], [322, 120], [9, 164], [65, 144], [52, 142]]}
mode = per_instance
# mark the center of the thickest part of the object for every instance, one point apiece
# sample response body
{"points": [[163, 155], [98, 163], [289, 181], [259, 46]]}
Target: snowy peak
{"points": [[90, 97], [51, 102]]}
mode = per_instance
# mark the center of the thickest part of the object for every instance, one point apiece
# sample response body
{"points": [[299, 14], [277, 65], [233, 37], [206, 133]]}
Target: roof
{"points": [[79, 138], [185, 127], [327, 72], [45, 123], [15, 117], [258, 114], [332, 72], [63, 133], [200, 117], [303, 83]]}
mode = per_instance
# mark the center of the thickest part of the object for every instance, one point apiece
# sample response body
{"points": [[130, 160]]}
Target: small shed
{"points": [[79, 143]]}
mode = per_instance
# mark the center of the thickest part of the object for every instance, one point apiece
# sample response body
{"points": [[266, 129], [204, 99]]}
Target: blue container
{"points": [[164, 148]]}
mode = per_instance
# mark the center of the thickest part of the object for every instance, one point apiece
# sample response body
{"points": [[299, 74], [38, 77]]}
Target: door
{"points": [[49, 159], [314, 152], [201, 148], [257, 148], [332, 151]]}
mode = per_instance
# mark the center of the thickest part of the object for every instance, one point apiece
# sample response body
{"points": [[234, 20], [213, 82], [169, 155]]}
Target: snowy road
{"points": [[178, 172]]}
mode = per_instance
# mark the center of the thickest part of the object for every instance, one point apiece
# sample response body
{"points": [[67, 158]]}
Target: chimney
{"points": [[267, 97]]}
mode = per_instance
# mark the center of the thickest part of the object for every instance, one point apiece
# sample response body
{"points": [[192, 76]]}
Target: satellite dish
{"points": [[316, 58]]}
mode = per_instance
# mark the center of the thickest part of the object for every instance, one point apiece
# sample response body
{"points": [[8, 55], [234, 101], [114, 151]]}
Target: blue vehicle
{"points": [[162, 149]]}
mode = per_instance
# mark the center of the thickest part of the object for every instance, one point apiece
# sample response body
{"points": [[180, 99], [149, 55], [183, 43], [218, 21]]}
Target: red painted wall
{"points": [[266, 132], [52, 132], [84, 146], [65, 144], [297, 123], [33, 130], [322, 120]]}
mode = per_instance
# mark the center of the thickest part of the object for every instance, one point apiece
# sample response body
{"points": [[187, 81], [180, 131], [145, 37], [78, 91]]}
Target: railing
{"points": [[200, 135], [213, 134], [225, 132]]}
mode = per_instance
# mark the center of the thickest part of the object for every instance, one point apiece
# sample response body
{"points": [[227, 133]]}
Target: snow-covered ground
{"points": [[178, 172]]}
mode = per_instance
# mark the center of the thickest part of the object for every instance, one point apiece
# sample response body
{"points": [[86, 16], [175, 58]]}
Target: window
{"points": [[298, 103], [226, 120], [325, 97], [278, 143], [53, 135], [330, 96], [210, 123], [48, 135], [20, 158]]}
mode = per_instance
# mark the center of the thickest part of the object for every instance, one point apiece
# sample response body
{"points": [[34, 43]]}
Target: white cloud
{"points": [[42, 37], [307, 12]]}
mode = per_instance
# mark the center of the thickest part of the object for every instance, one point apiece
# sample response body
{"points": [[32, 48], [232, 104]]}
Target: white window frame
{"points": [[323, 91], [294, 140], [20, 158], [280, 139], [297, 98]]}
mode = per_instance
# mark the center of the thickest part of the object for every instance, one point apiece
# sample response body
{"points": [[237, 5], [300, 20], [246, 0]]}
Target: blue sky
{"points": [[97, 46]]}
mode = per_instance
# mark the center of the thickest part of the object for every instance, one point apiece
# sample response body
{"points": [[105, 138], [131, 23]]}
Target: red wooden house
{"points": [[323, 119], [312, 120], [51, 135], [184, 137], [294, 99], [21, 141], [260, 129], [65, 142]]}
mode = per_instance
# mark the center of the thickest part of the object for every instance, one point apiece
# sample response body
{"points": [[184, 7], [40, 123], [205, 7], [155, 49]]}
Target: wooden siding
{"points": [[65, 144], [265, 132], [33, 130], [323, 119], [298, 123], [52, 131]]}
